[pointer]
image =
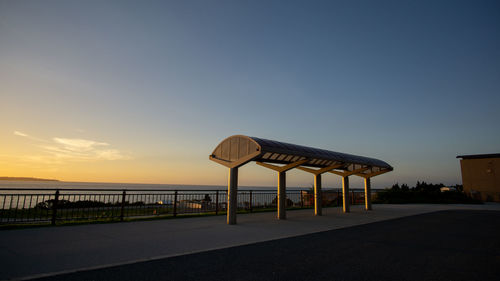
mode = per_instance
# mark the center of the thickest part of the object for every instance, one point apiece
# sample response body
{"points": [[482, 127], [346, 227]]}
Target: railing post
{"points": [[122, 209], [54, 207], [251, 209], [175, 203], [216, 202]]}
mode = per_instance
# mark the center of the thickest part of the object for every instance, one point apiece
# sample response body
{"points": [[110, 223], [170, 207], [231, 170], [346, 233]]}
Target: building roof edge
{"points": [[479, 156]]}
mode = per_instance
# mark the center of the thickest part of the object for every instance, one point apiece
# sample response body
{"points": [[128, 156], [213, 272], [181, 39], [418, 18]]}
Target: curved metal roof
{"points": [[237, 150]]}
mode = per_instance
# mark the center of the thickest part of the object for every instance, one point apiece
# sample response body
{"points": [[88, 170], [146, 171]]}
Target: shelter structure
{"points": [[236, 151]]}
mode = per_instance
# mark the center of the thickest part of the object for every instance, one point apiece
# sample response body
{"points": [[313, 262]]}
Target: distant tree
{"points": [[395, 187], [207, 198], [423, 192], [48, 204], [288, 201]]}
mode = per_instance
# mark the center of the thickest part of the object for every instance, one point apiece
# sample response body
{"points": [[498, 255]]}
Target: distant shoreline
{"points": [[24, 179]]}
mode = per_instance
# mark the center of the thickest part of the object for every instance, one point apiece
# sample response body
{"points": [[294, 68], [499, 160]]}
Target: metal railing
{"points": [[65, 205]]}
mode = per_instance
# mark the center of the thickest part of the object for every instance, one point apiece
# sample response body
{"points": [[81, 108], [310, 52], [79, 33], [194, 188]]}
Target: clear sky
{"points": [[143, 91]]}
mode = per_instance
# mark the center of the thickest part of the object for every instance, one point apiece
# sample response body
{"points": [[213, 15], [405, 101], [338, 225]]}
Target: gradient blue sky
{"points": [[154, 86]]}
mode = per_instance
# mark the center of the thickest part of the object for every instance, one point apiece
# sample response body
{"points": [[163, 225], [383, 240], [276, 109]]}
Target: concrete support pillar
{"points": [[317, 195], [345, 194], [232, 195], [368, 194], [282, 195]]}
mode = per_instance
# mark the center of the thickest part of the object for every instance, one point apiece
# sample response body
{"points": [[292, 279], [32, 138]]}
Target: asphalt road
{"points": [[446, 245]]}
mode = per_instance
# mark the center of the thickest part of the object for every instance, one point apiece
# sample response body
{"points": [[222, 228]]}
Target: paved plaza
{"points": [[49, 251]]}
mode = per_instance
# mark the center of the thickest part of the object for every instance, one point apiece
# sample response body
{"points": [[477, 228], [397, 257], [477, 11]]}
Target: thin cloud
{"points": [[21, 134], [79, 144], [59, 150], [111, 154], [24, 135], [83, 150]]}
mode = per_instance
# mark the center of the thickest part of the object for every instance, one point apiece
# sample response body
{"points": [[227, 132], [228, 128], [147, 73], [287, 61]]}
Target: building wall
{"points": [[481, 178]]}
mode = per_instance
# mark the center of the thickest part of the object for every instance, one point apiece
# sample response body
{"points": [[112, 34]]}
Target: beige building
{"points": [[481, 176]]}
